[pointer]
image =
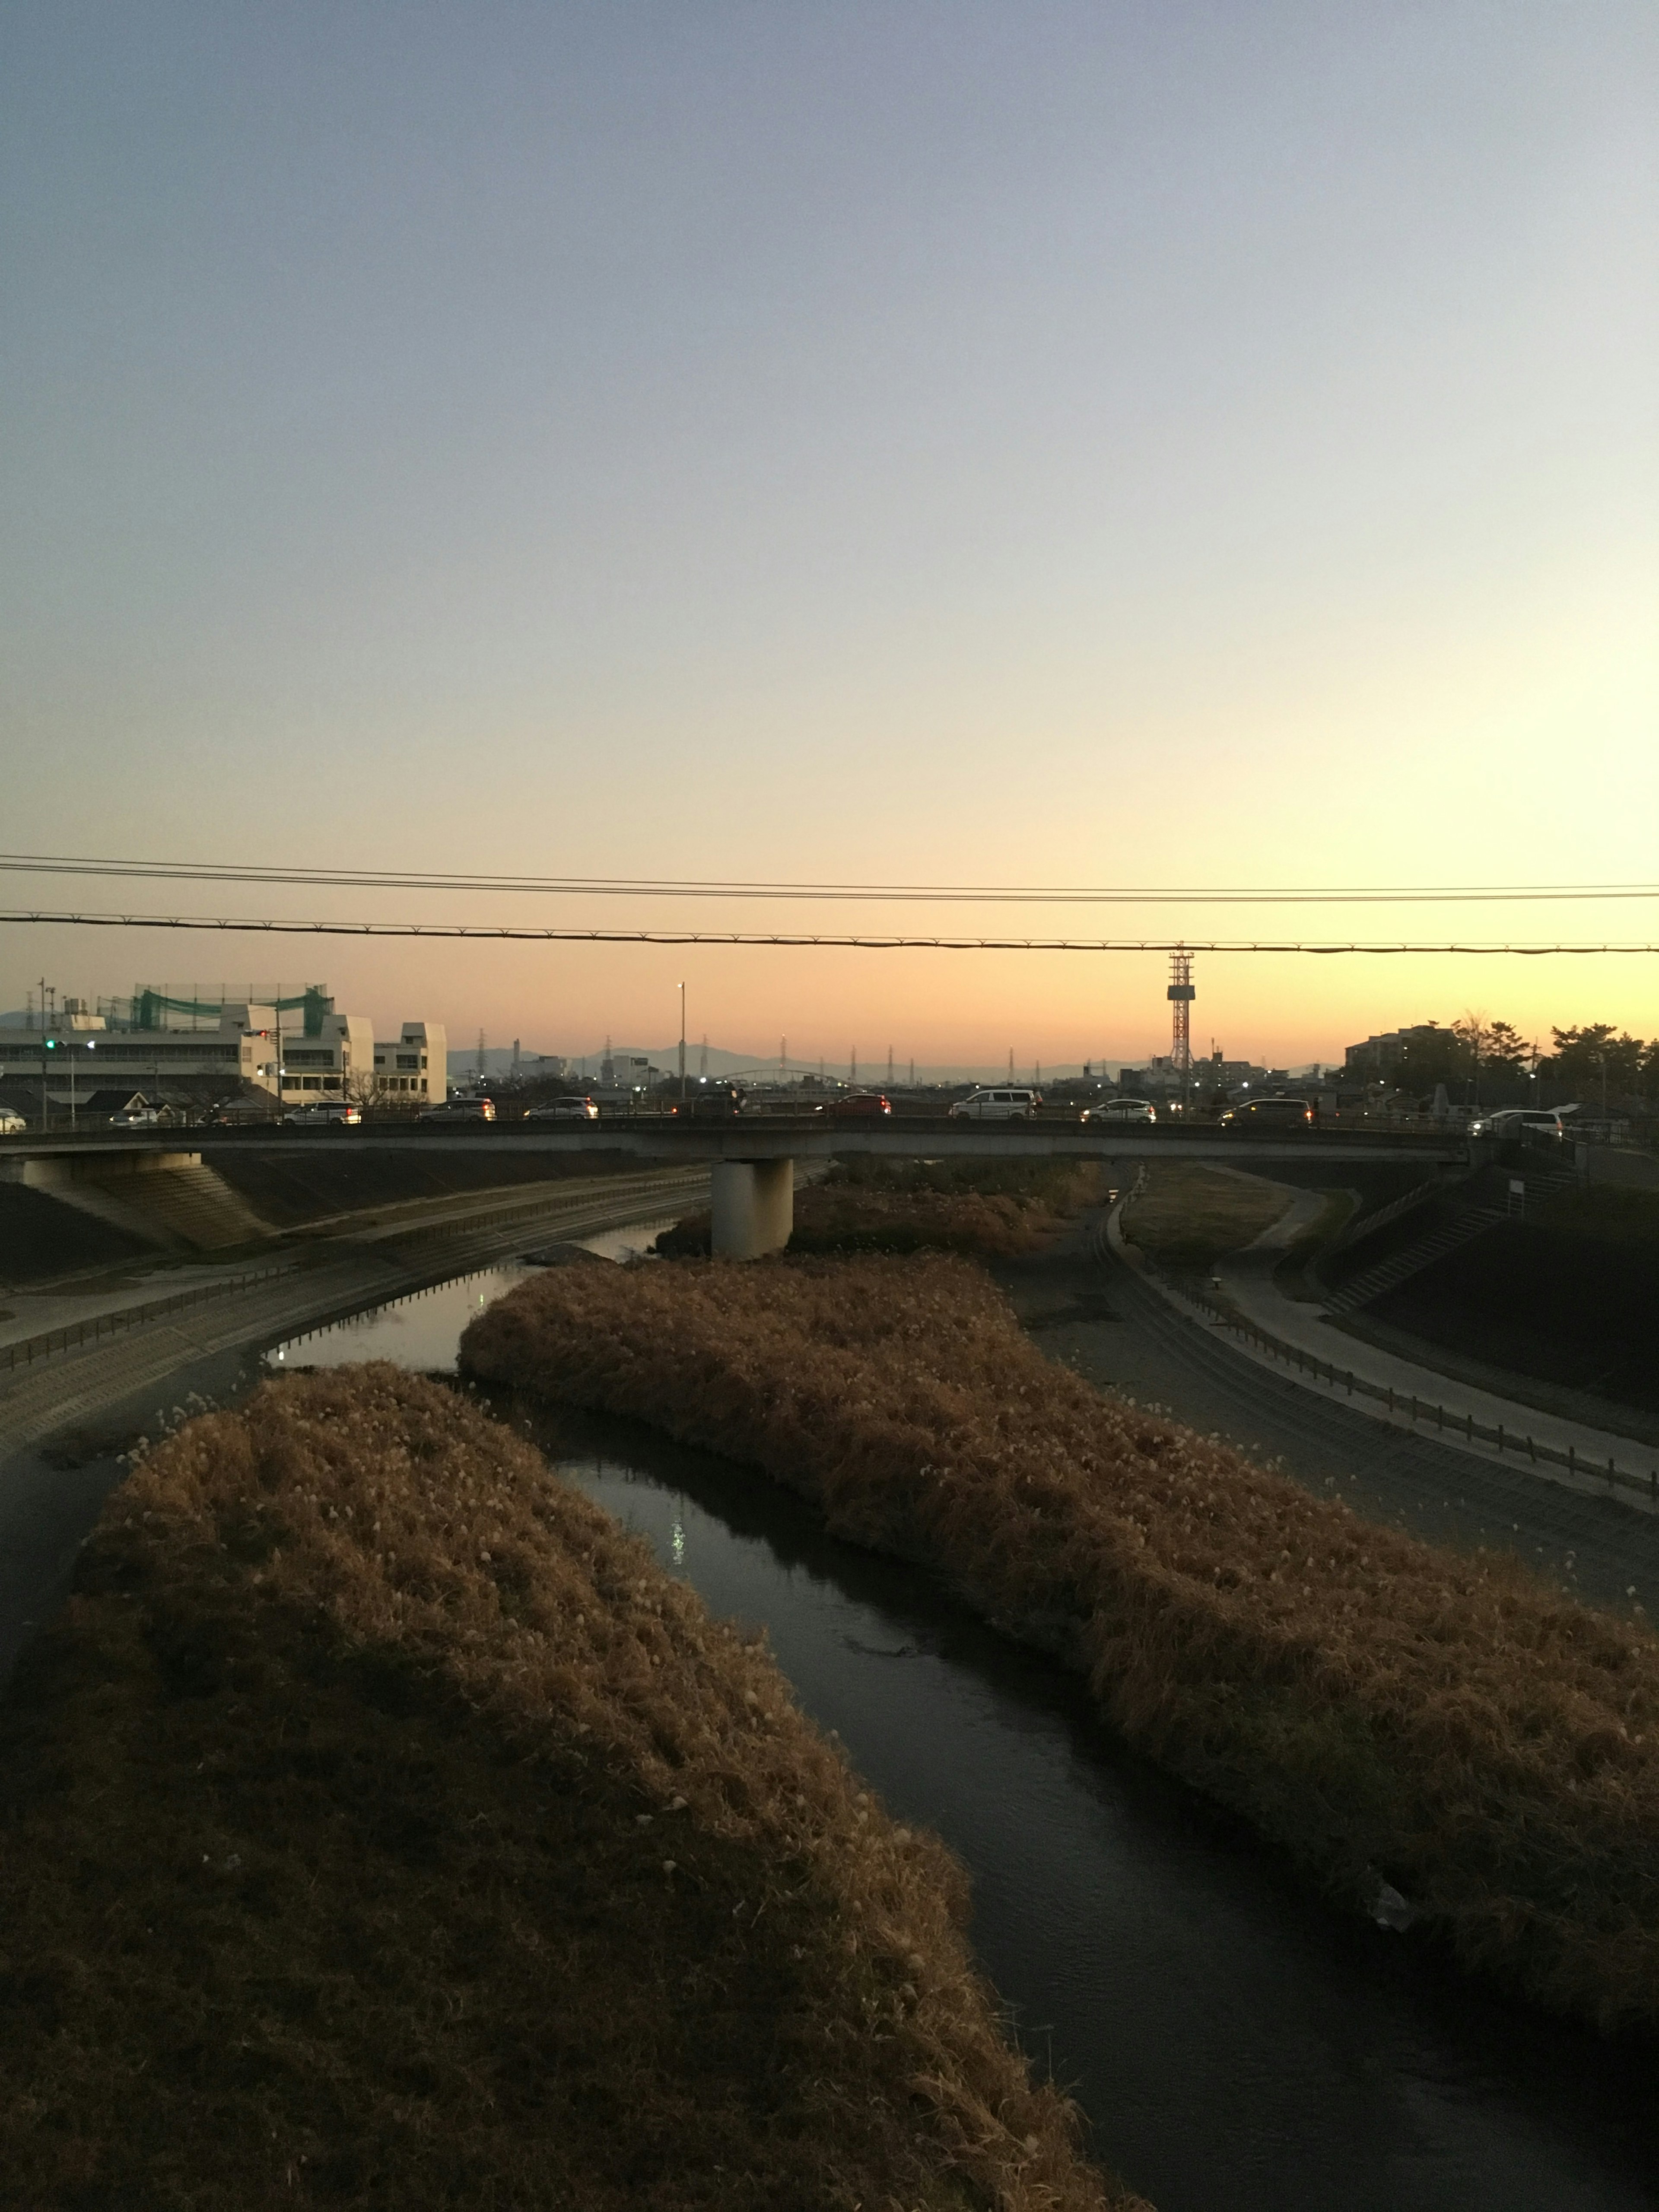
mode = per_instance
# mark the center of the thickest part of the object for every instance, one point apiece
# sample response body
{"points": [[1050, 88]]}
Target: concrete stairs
{"points": [[185, 1208], [1388, 1274]]}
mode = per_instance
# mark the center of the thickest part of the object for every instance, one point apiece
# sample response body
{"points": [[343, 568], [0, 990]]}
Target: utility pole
{"points": [[681, 1042], [1010, 1063], [890, 1067], [913, 1070], [852, 1065], [783, 1059], [46, 1107]]}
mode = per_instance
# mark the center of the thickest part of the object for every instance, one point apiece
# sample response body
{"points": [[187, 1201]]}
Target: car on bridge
{"points": [[712, 1102], [326, 1114], [1523, 1121], [857, 1106], [1269, 1114], [11, 1124], [1123, 1109], [1010, 1105], [565, 1110], [453, 1111]]}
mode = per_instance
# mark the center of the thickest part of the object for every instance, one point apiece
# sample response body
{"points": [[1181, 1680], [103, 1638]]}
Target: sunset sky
{"points": [[1151, 444]]}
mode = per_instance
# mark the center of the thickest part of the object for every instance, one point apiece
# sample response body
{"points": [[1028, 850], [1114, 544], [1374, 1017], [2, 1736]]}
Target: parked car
{"points": [[1269, 1114], [565, 1110], [137, 1117], [324, 1114], [11, 1124], [1009, 1105], [857, 1106], [1123, 1109], [456, 1110]]}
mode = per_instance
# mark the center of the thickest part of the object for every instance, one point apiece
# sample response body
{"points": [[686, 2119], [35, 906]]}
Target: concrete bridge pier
{"points": [[754, 1207]]}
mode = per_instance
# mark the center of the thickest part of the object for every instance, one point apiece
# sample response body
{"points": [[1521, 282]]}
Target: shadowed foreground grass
{"points": [[383, 1828], [1386, 1710]]}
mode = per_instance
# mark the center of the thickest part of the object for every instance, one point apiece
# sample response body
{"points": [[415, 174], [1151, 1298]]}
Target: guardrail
{"points": [[1397, 1401], [27, 1349]]}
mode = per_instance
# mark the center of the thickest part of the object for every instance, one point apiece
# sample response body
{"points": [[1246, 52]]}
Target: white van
{"points": [[997, 1106]]}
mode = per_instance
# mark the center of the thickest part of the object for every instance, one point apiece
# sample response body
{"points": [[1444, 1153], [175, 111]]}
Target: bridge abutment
{"points": [[754, 1207]]}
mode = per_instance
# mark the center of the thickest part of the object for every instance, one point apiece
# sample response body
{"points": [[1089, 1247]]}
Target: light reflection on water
{"points": [[1236, 2047], [422, 1331]]}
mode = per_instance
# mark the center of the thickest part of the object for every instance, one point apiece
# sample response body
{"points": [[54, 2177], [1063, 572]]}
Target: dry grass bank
{"points": [[990, 1209], [382, 1827], [1384, 1710], [1186, 1217]]}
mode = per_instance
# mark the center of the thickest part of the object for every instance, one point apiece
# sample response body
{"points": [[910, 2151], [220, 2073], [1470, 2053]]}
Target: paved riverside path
{"points": [[62, 1421], [1247, 1282], [1086, 1306]]}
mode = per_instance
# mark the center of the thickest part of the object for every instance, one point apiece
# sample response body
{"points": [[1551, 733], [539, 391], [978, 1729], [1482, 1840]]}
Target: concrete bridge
{"points": [[753, 1156]]}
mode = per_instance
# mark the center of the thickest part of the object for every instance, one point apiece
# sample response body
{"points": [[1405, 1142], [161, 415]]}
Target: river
{"points": [[1236, 2046]]}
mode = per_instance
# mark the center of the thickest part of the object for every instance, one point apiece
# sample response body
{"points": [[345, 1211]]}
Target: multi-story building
{"points": [[1377, 1053], [411, 1068], [298, 1051]]}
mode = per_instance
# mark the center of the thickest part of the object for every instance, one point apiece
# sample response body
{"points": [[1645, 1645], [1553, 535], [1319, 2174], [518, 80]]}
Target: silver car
{"points": [[1123, 1109], [565, 1110], [1009, 1105]]}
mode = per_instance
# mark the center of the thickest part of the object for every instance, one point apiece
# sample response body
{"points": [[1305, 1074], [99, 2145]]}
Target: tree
{"points": [[1507, 1053], [1595, 1062]]}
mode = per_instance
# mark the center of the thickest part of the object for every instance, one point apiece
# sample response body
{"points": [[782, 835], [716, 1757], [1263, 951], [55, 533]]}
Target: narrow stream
{"points": [[1236, 2047]]}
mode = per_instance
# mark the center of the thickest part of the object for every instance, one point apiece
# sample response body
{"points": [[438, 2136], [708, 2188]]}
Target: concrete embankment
{"points": [[1435, 1735], [65, 1415], [384, 1826]]}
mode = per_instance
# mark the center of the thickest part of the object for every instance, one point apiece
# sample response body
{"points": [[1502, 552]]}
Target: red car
{"points": [[858, 1106]]}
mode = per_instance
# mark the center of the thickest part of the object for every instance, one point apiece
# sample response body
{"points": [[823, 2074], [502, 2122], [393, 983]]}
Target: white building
{"points": [[301, 1052], [412, 1067]]}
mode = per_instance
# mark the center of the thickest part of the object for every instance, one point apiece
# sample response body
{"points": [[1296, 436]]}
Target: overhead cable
{"points": [[899, 894], [529, 934]]}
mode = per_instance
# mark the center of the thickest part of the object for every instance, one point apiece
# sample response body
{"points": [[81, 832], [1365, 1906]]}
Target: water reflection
{"points": [[419, 1331], [1238, 2047]]}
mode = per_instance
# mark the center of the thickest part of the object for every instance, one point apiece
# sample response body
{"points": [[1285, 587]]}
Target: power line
{"points": [[525, 934], [722, 888]]}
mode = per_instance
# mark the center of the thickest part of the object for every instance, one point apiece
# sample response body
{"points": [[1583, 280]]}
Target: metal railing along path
{"points": [[28, 1352], [1578, 1465], [28, 1349]]}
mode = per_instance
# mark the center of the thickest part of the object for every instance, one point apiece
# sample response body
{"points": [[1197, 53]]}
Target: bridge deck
{"points": [[761, 1137]]}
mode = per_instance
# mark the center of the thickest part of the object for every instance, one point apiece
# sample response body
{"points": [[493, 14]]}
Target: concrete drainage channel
{"points": [[74, 1375]]}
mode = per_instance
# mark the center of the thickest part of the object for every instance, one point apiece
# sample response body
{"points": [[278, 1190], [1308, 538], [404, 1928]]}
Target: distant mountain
{"points": [[720, 1061]]}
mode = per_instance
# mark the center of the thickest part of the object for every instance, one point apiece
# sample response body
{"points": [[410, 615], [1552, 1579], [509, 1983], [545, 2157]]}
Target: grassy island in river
{"points": [[383, 1828], [1389, 1712]]}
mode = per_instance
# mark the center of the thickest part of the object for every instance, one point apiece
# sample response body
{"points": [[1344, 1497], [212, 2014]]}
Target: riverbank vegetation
{"points": [[990, 1208], [383, 1828], [1392, 1714], [1185, 1217]]}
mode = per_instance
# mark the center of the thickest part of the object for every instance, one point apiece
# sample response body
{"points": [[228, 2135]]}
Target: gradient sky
{"points": [[1024, 443]]}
